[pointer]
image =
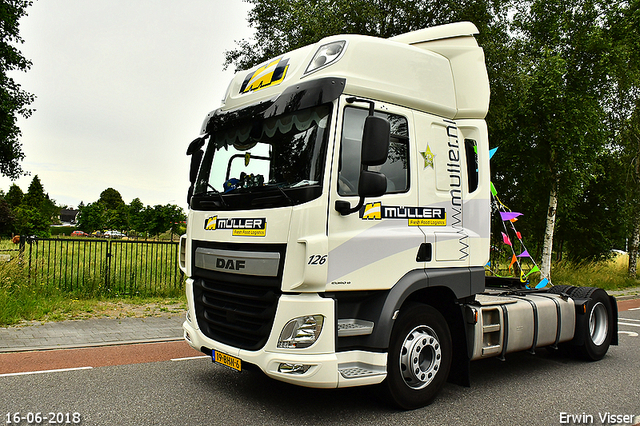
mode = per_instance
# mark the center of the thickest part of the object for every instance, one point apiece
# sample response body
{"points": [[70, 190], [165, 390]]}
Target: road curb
{"points": [[627, 297], [90, 345]]}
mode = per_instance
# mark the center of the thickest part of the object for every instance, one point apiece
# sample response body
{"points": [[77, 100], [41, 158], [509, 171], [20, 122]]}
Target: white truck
{"points": [[339, 224]]}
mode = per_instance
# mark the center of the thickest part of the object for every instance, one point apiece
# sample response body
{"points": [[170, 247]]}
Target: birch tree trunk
{"points": [[547, 247], [633, 248], [635, 233]]}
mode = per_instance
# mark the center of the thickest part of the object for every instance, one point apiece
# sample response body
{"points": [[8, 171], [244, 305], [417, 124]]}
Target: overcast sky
{"points": [[122, 87]]}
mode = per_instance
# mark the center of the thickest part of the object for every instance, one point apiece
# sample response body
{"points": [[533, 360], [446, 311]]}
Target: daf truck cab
{"points": [[339, 224]]}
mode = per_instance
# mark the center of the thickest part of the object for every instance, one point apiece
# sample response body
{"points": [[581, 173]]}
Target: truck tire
{"points": [[419, 357], [594, 329], [562, 289]]}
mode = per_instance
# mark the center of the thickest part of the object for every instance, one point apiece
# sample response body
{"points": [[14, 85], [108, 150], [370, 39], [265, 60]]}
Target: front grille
{"points": [[237, 310], [237, 314]]}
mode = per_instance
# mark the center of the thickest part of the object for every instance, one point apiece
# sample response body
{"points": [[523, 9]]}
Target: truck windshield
{"points": [[249, 159]]}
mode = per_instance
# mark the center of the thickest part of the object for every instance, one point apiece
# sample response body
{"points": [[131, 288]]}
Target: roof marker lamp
{"points": [[326, 55], [301, 332]]}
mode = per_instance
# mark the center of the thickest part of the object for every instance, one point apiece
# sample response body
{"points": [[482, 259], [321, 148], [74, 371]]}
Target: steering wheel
{"points": [[345, 187]]}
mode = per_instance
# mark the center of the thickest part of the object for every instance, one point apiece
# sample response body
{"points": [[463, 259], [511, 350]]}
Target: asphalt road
{"points": [[542, 389]]}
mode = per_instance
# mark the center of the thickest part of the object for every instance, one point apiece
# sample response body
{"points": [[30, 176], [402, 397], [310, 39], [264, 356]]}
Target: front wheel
{"points": [[419, 357]]}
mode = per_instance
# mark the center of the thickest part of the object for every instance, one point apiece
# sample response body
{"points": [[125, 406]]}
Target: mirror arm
{"points": [[197, 143], [345, 209], [372, 104]]}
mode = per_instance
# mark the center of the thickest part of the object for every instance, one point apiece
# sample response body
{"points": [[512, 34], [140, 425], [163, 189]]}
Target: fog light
{"points": [[301, 332], [326, 55], [293, 368], [187, 336]]}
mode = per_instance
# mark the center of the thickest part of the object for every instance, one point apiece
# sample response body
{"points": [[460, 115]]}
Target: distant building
{"points": [[68, 217]]}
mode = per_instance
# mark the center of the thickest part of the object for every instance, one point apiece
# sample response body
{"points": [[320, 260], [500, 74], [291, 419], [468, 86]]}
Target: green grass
{"points": [[45, 292], [609, 274], [25, 306]]}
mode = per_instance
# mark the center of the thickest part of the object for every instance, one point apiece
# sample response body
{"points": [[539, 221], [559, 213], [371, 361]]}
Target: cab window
{"points": [[396, 168]]}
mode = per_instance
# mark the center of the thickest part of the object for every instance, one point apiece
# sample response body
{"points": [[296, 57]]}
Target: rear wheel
{"points": [[419, 357], [562, 289], [594, 328]]}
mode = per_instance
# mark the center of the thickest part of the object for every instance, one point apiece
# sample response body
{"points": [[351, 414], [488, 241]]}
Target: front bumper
{"points": [[326, 368]]}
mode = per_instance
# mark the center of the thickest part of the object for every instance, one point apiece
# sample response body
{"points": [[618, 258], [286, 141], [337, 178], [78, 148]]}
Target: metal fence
{"points": [[97, 266]]}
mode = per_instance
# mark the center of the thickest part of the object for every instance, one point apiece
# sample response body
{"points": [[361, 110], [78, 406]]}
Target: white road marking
{"points": [[625, 323], [628, 319], [190, 357], [45, 371], [630, 333]]}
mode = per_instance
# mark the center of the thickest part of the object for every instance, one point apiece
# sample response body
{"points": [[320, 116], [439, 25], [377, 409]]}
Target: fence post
{"points": [[107, 267], [30, 240], [22, 240]]}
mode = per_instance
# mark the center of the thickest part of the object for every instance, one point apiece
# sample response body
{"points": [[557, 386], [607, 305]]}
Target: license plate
{"points": [[227, 360]]}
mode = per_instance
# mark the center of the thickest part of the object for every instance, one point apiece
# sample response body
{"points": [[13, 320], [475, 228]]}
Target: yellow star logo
{"points": [[428, 157]]}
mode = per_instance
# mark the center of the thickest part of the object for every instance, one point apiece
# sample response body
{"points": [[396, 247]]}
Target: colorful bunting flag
{"points": [[534, 269], [492, 152], [543, 283], [524, 254], [505, 239], [509, 215]]}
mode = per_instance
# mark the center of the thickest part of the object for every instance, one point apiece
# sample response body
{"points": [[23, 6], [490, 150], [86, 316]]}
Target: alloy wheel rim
{"points": [[420, 357]]}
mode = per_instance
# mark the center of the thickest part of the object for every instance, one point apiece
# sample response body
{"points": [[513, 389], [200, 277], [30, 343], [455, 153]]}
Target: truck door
{"points": [[373, 248], [454, 175], [441, 186]]}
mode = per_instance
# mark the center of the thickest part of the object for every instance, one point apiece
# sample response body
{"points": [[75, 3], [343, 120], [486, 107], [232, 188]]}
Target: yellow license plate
{"points": [[227, 360]]}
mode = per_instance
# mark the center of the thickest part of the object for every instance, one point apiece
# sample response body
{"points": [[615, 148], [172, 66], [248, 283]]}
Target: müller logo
{"points": [[241, 227], [416, 216]]}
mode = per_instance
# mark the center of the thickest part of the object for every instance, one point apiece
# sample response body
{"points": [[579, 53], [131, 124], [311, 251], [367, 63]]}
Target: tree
{"points": [[110, 212], [6, 217], [14, 101], [284, 25], [36, 212], [625, 24], [136, 220], [159, 219], [557, 131], [111, 199], [91, 218], [14, 196], [631, 138]]}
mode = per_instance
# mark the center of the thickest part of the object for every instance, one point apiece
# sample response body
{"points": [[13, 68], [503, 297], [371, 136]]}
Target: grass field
{"points": [[609, 274], [60, 280]]}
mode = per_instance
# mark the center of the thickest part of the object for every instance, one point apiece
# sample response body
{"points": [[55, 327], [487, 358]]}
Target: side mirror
{"points": [[375, 150], [375, 141], [196, 159], [371, 184], [196, 153]]}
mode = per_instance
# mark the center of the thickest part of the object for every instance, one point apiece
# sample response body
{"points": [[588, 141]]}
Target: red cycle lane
{"points": [[21, 362]]}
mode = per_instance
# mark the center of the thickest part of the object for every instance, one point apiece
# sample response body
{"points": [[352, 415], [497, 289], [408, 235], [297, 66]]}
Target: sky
{"points": [[122, 87]]}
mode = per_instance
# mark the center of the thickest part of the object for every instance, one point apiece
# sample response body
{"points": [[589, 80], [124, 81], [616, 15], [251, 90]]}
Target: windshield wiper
{"points": [[278, 186], [291, 202], [214, 191]]}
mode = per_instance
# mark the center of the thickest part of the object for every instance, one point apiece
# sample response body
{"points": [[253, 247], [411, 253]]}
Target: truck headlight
{"points": [[326, 55], [301, 332]]}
